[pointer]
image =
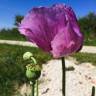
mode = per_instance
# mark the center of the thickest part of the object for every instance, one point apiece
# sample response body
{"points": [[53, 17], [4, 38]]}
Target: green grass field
{"points": [[85, 57], [12, 34]]}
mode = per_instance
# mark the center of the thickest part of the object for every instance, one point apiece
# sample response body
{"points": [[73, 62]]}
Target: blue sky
{"points": [[10, 8]]}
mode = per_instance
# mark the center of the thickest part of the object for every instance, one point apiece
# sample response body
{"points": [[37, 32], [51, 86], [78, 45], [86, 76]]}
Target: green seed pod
{"points": [[33, 75], [27, 55]]}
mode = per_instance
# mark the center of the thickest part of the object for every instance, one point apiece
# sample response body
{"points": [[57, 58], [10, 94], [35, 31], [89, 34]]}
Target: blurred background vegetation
{"points": [[12, 66], [88, 27]]}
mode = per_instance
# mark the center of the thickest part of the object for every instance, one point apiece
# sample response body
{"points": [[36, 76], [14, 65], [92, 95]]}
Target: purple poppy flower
{"points": [[54, 29]]}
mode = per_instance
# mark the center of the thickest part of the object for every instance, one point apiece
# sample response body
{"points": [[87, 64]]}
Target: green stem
{"points": [[37, 91], [63, 76], [33, 86], [34, 60]]}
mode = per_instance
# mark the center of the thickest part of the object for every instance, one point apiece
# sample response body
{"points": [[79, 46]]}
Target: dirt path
{"points": [[21, 43], [85, 49], [79, 81]]}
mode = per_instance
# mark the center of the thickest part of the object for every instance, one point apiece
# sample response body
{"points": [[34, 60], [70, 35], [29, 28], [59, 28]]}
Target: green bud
{"points": [[33, 75], [30, 74], [27, 55]]}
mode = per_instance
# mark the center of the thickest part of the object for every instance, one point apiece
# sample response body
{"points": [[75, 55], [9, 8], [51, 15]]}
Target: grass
{"points": [[12, 66], [11, 34], [85, 57], [90, 41]]}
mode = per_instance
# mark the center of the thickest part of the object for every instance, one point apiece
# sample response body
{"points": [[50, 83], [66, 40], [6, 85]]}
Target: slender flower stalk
{"points": [[33, 89], [34, 60], [63, 77], [37, 91], [93, 91], [32, 84]]}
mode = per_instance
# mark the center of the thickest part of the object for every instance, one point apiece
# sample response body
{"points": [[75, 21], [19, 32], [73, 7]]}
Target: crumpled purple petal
{"points": [[65, 42], [54, 29]]}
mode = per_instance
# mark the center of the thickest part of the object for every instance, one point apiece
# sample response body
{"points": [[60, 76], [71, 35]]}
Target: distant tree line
{"points": [[88, 27], [88, 24]]}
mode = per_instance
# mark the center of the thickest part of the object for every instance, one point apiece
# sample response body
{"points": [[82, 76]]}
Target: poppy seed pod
{"points": [[33, 72], [33, 75]]}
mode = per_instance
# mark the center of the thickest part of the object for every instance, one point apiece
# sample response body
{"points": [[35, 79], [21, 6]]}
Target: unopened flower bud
{"points": [[27, 55]]}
